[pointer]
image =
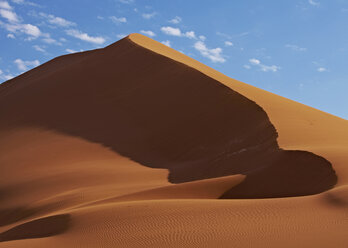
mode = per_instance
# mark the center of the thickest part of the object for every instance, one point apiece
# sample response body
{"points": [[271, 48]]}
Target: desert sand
{"points": [[138, 145]]}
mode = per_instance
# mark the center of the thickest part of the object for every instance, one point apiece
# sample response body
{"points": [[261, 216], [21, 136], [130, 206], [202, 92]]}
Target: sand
{"points": [[138, 145]]}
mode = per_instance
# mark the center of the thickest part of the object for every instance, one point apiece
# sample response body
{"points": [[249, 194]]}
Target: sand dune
{"points": [[136, 144]]}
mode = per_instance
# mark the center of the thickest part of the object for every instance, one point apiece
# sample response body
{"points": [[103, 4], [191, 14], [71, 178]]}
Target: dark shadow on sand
{"points": [[39, 228]]}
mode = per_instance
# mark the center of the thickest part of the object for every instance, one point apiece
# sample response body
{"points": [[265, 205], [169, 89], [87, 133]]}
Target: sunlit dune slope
{"points": [[135, 144]]}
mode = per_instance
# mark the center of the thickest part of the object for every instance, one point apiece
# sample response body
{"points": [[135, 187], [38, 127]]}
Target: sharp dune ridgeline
{"points": [[138, 145]]}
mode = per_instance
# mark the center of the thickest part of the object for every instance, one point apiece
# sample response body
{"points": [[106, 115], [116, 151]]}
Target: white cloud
{"points": [[85, 37], [70, 50], [254, 61], [148, 15], [228, 43], [177, 32], [167, 43], [5, 5], [28, 29], [11, 36], [31, 30], [314, 3], [265, 68], [296, 48], [321, 69], [215, 54], [148, 33], [118, 20], [176, 20], [58, 21], [190, 35], [247, 66], [171, 31], [9, 15], [39, 48], [25, 65], [202, 37]]}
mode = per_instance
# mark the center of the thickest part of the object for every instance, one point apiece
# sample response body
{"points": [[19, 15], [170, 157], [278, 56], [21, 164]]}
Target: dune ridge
{"points": [[137, 142]]}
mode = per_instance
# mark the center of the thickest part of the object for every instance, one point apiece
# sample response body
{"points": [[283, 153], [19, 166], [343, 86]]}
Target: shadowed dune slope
{"points": [[135, 144]]}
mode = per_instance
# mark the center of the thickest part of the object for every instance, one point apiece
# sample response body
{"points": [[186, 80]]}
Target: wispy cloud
{"points": [[176, 20], [126, 1], [9, 15], [25, 65], [39, 48], [167, 43], [118, 20], [254, 61], [11, 36], [50, 40], [265, 68], [85, 37], [314, 3], [70, 50], [4, 76], [296, 48], [24, 2], [202, 37], [57, 21], [214, 54], [322, 69], [148, 15], [28, 29], [177, 32], [148, 33], [228, 43], [190, 35], [230, 37]]}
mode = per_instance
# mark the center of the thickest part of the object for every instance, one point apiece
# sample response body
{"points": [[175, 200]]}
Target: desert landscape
{"points": [[138, 145]]}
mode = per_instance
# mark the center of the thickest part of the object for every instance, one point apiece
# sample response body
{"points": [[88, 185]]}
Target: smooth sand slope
{"points": [[138, 145]]}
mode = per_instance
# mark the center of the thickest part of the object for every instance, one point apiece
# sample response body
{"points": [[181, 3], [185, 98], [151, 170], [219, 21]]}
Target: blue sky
{"points": [[295, 48]]}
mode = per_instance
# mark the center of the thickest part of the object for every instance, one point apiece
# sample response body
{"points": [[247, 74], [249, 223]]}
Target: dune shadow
{"points": [[12, 215], [39, 228], [164, 114]]}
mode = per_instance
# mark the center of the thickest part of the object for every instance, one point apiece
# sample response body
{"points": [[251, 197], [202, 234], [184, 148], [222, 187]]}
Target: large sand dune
{"points": [[136, 144]]}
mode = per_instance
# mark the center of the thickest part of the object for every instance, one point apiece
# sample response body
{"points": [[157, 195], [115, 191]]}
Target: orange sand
{"points": [[134, 145]]}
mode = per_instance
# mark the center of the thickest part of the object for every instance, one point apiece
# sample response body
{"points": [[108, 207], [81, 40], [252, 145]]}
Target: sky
{"points": [[294, 48]]}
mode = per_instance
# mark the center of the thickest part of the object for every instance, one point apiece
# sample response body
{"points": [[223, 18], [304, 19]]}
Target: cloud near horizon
{"points": [[214, 54], [148, 33], [177, 32], [264, 68], [25, 65], [85, 37]]}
